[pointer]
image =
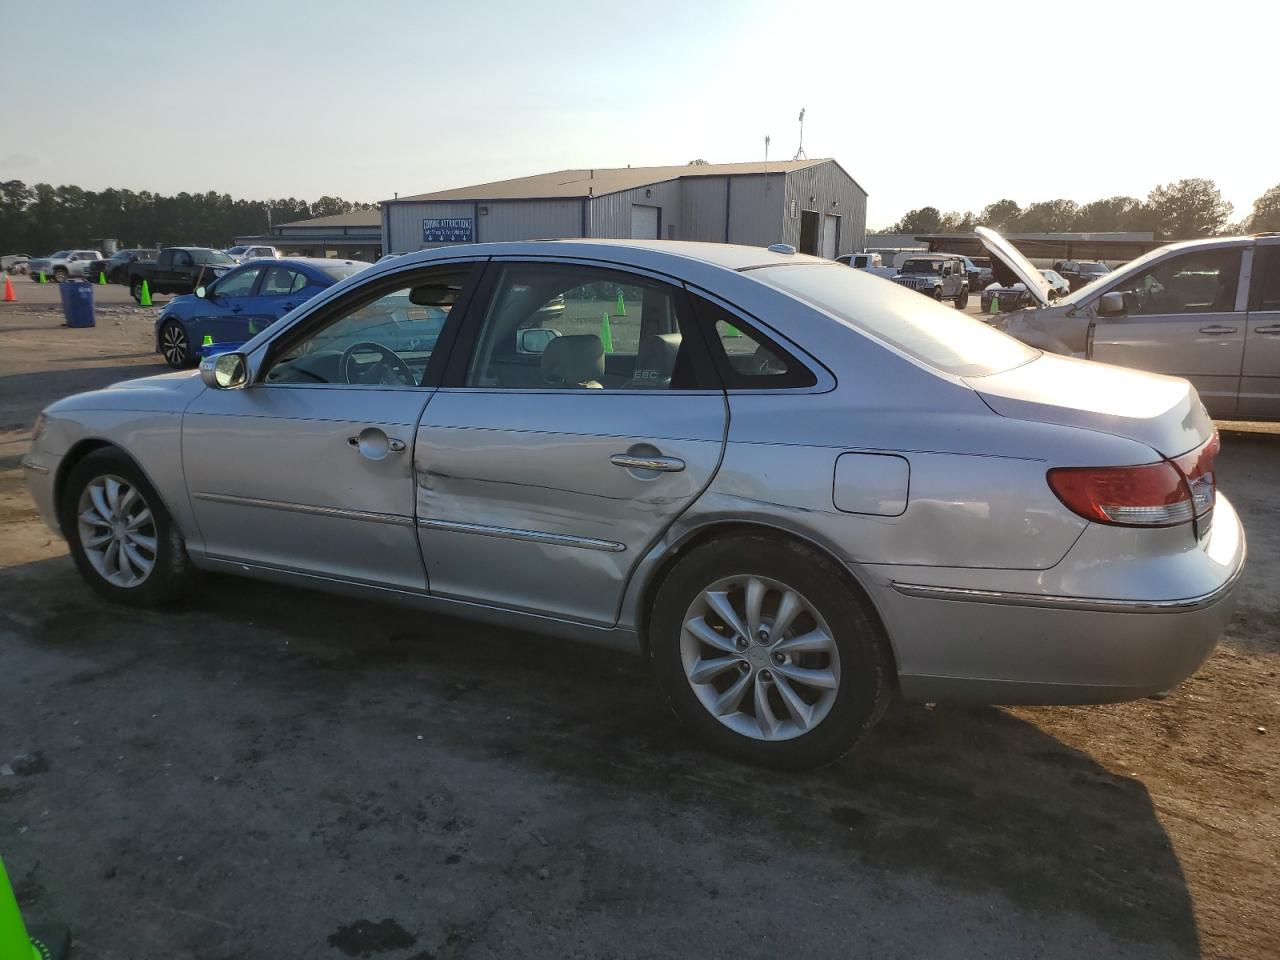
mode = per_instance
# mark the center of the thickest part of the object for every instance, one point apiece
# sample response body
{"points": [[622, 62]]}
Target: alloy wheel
{"points": [[173, 344], [760, 657], [117, 531]]}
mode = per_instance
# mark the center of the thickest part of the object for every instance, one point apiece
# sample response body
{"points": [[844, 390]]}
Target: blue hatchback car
{"points": [[240, 303]]}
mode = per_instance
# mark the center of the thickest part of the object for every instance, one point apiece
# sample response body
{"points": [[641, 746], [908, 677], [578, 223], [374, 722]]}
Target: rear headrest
{"points": [[573, 360], [656, 360]]}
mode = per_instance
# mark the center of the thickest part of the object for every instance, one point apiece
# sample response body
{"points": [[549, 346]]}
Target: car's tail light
{"points": [[1162, 494]]}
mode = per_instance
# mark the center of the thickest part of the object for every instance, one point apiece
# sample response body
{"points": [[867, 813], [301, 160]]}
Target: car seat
{"points": [[574, 361], [655, 362]]}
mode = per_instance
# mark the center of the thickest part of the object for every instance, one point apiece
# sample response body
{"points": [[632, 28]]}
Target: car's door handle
{"points": [[664, 464], [236, 309], [373, 444], [288, 306], [1217, 330], [1273, 328]]}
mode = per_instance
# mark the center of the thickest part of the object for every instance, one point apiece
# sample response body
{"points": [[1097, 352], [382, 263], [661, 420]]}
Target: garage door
{"points": [[830, 230], [644, 222]]}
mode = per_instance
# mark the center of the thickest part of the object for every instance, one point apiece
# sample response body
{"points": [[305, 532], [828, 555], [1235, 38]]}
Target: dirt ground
{"points": [[272, 773]]}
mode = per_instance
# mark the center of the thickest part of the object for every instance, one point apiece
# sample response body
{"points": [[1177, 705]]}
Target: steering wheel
{"points": [[389, 368]]}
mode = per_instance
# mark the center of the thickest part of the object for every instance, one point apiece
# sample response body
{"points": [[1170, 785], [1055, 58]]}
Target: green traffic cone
{"points": [[731, 331], [102, 279], [146, 295], [995, 305], [606, 334], [43, 278], [622, 305], [14, 942]]}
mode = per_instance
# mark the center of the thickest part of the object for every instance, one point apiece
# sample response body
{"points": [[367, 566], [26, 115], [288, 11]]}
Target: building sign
{"points": [[446, 230]]}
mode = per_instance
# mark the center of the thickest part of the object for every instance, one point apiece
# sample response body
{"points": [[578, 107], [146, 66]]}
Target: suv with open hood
{"points": [[942, 276], [1206, 310]]}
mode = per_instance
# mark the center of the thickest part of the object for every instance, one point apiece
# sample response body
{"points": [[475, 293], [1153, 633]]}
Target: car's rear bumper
{"points": [[1029, 640]]}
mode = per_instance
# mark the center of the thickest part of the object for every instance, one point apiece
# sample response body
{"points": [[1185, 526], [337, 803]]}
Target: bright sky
{"points": [[948, 104]]}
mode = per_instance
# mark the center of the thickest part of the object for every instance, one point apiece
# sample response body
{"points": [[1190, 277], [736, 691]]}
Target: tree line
{"points": [[1181, 210], [40, 218]]}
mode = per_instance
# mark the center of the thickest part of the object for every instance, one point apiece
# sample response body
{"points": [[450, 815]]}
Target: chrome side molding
{"points": [[532, 536], [337, 512]]}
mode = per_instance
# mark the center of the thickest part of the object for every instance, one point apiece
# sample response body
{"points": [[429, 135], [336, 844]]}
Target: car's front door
{"points": [[282, 289], [309, 468], [221, 314], [1260, 375], [1184, 316], [579, 416]]}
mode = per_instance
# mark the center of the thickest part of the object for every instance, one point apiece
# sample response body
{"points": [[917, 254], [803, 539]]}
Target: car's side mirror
{"points": [[225, 371], [535, 339], [202, 292], [1111, 305]]}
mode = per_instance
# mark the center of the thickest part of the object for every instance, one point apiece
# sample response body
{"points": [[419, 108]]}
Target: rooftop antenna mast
{"points": [[800, 150]]}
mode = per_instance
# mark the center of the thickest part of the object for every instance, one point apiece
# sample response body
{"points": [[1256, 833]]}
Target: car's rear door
{"points": [[1260, 374], [1185, 316], [549, 462]]}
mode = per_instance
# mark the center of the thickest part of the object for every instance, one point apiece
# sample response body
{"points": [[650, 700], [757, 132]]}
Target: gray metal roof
{"points": [[356, 218], [575, 184]]}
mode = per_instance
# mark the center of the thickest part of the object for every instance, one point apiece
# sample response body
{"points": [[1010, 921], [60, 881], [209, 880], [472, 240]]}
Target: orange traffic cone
{"points": [[9, 295]]}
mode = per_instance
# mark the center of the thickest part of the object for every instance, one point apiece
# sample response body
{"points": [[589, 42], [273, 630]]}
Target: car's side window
{"points": [[1197, 282], [280, 281], [1265, 292], [568, 327], [384, 338], [746, 358], [237, 285]]}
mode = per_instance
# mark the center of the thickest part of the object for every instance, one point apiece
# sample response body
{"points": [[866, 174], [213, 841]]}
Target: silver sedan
{"points": [[798, 489]]}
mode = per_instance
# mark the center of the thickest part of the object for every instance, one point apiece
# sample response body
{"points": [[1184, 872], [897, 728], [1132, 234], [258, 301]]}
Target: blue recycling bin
{"points": [[77, 303]]}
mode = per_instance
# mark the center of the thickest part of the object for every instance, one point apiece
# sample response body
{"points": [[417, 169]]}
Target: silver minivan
{"points": [[1206, 310]]}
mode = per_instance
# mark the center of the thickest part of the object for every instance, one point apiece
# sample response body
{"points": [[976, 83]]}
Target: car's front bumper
{"points": [[38, 473], [1108, 626]]}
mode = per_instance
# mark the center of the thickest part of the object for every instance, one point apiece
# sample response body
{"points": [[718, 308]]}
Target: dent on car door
{"points": [[578, 418], [309, 468], [1260, 373], [1183, 316]]}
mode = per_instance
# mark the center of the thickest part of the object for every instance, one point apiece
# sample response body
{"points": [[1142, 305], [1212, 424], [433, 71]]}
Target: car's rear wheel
{"points": [[768, 653], [962, 300], [135, 290], [59, 274], [174, 345], [120, 534]]}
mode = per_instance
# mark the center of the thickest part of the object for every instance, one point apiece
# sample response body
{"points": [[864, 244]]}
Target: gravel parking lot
{"points": [[272, 773]]}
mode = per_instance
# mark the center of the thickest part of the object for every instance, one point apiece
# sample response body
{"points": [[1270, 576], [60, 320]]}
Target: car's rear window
{"points": [[941, 336]]}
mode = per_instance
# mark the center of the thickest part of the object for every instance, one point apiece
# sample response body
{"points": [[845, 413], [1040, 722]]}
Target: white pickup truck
{"points": [[870, 262], [62, 265]]}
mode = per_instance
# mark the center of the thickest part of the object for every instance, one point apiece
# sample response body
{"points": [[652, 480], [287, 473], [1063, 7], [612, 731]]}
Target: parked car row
{"points": [[62, 265]]}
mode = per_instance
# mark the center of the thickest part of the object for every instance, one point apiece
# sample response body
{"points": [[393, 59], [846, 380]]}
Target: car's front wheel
{"points": [[962, 300], [60, 275], [120, 534], [768, 653], [174, 345]]}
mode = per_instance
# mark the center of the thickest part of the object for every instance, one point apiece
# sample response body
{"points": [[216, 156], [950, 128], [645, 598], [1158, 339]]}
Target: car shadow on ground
{"points": [[973, 798]]}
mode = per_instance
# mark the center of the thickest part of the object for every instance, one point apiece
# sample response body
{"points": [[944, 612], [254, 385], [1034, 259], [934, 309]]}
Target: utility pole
{"points": [[800, 150]]}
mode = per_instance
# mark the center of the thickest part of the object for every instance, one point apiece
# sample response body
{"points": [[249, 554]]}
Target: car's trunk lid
{"points": [[1165, 413], [1004, 253]]}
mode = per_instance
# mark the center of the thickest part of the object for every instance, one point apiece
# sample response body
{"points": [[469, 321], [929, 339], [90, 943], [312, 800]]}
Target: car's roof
{"points": [[315, 263], [730, 256]]}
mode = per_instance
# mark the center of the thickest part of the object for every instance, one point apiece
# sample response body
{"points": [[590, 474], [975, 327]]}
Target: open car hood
{"points": [[1004, 253]]}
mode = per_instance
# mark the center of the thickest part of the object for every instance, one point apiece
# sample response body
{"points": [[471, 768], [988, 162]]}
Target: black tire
{"points": [[171, 568], [60, 275], [866, 683], [175, 346], [937, 293], [135, 290], [962, 300]]}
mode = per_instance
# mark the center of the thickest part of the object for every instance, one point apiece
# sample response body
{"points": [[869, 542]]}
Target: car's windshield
{"points": [[922, 266], [210, 256], [939, 336], [1094, 268], [236, 251], [343, 269], [981, 263]]}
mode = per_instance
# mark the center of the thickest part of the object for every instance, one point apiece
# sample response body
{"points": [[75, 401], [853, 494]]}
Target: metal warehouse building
{"points": [[814, 205]]}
